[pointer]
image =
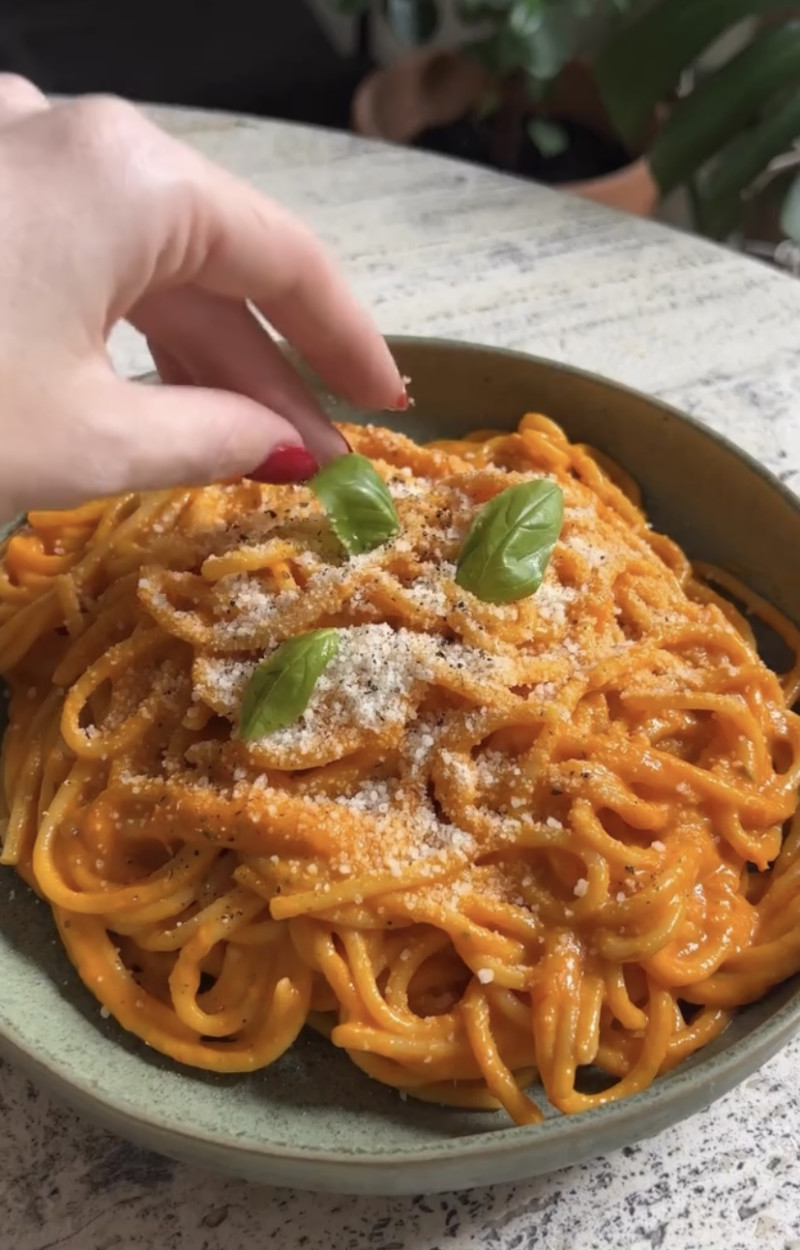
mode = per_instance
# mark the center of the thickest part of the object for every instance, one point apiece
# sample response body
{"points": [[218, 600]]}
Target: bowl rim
{"points": [[559, 366], [719, 1074]]}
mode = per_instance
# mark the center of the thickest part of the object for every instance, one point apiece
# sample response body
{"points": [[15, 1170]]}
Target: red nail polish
{"points": [[286, 464]]}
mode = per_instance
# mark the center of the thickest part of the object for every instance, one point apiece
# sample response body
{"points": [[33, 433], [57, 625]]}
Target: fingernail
{"points": [[401, 403], [286, 464]]}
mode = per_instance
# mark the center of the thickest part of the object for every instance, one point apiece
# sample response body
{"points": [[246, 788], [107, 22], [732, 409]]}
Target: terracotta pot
{"points": [[435, 87], [429, 87], [632, 189]]}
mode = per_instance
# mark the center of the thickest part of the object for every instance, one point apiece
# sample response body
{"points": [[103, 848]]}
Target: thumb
{"points": [[150, 437]]}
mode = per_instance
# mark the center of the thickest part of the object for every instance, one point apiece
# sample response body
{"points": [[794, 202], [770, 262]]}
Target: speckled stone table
{"points": [[439, 248]]}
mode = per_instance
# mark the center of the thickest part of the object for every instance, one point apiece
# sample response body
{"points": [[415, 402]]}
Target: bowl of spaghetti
{"points": [[389, 865]]}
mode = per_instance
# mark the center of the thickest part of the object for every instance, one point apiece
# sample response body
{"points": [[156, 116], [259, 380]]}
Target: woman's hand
{"points": [[105, 217]]}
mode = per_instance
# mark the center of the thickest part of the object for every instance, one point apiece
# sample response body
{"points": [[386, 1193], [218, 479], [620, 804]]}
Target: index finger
{"points": [[242, 245]]}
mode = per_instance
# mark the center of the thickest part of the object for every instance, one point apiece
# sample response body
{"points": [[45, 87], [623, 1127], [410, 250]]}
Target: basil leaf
{"points": [[507, 550], [279, 690], [357, 502]]}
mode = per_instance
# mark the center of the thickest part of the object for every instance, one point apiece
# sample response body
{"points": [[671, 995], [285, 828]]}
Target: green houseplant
{"points": [[735, 120], [499, 81], [643, 79]]}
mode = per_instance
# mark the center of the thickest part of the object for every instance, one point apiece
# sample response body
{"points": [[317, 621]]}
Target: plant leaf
{"points": [[535, 36], [790, 214], [549, 36], [525, 18], [413, 21], [720, 203], [358, 503], [508, 547], [642, 63], [280, 688], [550, 138], [723, 104]]}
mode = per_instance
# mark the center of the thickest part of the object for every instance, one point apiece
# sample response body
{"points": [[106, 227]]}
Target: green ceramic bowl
{"points": [[312, 1120]]}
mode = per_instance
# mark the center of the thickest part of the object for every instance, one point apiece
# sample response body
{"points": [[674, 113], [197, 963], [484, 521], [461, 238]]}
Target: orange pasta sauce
{"points": [[503, 845]]}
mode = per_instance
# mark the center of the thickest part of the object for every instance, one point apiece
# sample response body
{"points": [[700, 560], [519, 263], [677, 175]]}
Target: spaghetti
{"points": [[503, 844]]}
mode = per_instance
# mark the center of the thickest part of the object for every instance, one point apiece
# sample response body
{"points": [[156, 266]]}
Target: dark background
{"points": [[269, 58]]}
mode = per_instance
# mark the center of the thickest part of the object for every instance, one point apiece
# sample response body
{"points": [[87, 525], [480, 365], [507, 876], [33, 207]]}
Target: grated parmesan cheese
{"points": [[594, 556], [553, 599]]}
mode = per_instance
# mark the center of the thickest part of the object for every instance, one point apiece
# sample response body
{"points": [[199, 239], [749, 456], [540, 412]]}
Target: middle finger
{"points": [[218, 343]]}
